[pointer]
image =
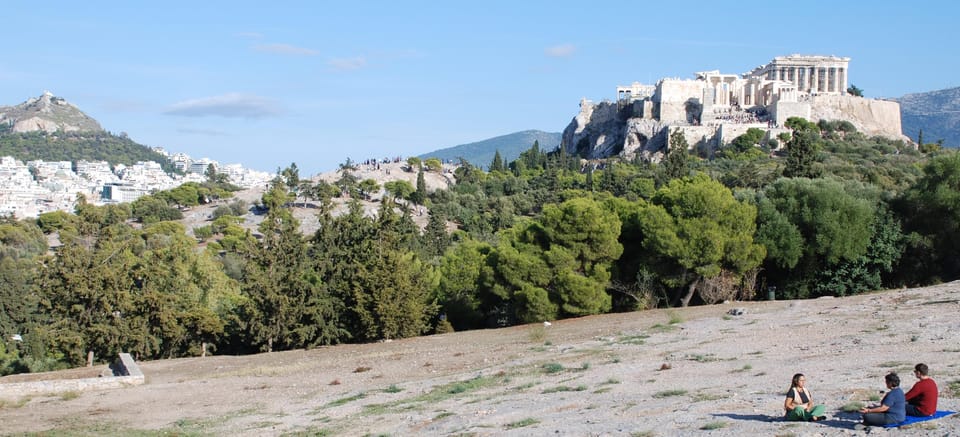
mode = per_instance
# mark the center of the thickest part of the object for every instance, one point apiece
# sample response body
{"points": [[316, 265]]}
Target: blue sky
{"points": [[265, 84]]}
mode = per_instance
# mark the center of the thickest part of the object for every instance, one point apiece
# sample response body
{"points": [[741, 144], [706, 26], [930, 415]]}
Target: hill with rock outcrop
{"points": [[49, 128], [47, 113]]}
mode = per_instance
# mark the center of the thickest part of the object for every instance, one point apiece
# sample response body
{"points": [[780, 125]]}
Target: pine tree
{"points": [[497, 164], [675, 165]]}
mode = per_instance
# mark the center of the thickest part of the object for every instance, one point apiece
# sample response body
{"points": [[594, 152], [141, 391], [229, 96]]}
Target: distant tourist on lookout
{"points": [[922, 398], [799, 404]]}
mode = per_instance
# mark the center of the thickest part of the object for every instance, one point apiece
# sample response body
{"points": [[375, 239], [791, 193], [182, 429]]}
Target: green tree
{"points": [[802, 149], [87, 295], [748, 140], [420, 195], [497, 163], [433, 164], [291, 176], [931, 212], [290, 307], [698, 232], [399, 189], [435, 239], [464, 293], [853, 90], [559, 266], [814, 225], [675, 163], [21, 246], [368, 187], [150, 209]]}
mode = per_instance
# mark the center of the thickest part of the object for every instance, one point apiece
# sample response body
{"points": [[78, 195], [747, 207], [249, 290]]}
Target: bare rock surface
{"points": [[670, 372], [305, 211]]}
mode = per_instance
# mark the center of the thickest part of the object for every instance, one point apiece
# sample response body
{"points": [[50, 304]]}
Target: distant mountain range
{"points": [[481, 153], [936, 112]]}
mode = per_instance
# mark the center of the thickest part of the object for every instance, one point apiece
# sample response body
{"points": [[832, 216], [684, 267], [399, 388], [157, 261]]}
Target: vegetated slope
{"points": [[481, 153], [937, 113], [77, 146]]}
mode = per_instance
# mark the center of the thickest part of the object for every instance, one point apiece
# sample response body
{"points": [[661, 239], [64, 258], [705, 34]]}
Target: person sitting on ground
{"points": [[799, 404], [922, 397], [891, 409]]}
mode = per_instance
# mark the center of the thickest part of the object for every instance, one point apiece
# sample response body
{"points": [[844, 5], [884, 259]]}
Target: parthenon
{"points": [[810, 74]]}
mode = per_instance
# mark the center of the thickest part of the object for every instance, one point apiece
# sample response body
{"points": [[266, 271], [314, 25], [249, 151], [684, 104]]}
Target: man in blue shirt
{"points": [[892, 408]]}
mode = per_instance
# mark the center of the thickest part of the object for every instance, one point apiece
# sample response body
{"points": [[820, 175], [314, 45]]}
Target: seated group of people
{"points": [[921, 400]]}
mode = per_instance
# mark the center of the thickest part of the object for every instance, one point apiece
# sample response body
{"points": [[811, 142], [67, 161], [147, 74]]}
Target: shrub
{"points": [[444, 327]]}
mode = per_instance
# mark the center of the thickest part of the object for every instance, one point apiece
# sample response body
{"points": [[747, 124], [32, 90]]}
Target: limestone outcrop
{"points": [[46, 113]]}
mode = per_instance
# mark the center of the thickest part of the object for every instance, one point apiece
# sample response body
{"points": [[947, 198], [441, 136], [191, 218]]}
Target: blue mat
{"points": [[914, 419]]}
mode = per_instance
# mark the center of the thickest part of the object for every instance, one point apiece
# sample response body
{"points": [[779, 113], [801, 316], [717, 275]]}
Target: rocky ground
{"points": [[306, 211], [665, 372]]}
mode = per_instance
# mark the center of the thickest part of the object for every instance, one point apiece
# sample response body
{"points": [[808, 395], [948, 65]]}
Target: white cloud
{"points": [[284, 49], [560, 51], [228, 105], [347, 64]]}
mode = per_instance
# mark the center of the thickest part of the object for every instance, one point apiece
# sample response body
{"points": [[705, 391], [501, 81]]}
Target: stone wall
{"points": [[673, 97], [127, 373], [782, 111]]}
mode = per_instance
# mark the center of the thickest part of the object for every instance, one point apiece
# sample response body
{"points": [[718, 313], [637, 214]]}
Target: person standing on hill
{"points": [[891, 409], [799, 404], [922, 397]]}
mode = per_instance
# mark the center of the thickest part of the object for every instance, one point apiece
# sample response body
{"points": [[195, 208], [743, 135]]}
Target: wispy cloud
{"points": [[234, 105], [560, 51], [347, 64], [284, 49]]}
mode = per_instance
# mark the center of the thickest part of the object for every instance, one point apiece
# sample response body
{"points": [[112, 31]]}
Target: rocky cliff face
{"points": [[603, 130], [47, 113]]}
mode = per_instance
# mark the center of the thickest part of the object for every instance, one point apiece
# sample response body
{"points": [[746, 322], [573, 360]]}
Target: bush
{"points": [[444, 327]]}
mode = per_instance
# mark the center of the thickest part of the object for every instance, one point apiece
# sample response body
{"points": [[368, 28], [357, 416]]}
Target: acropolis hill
{"points": [[714, 108]]}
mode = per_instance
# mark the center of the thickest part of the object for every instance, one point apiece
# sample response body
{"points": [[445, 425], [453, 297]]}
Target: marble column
{"points": [[843, 81], [836, 80], [814, 79]]}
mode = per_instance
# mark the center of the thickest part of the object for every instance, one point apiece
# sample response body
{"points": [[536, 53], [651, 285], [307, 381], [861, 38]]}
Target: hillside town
{"points": [[36, 187]]}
